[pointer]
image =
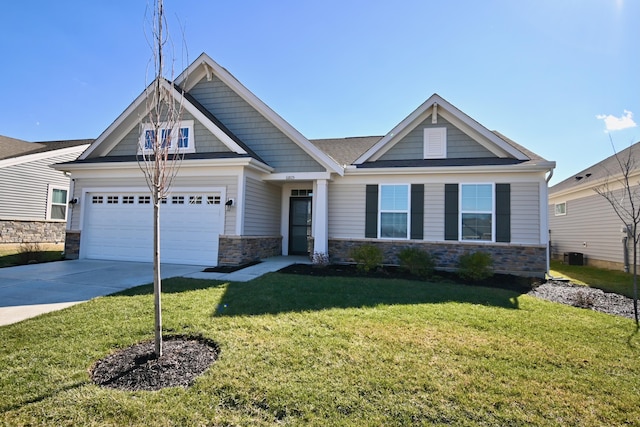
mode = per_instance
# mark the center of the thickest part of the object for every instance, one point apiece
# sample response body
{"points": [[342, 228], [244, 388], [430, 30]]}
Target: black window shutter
{"points": [[451, 212], [417, 211], [371, 212], [503, 212]]}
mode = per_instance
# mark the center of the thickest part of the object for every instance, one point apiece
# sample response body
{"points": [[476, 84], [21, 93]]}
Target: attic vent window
{"points": [[435, 143]]}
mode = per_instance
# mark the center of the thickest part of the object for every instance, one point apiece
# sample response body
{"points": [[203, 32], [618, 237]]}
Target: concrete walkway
{"points": [[29, 290]]}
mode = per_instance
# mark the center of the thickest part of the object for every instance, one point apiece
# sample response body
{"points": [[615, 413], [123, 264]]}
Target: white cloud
{"points": [[618, 123]]}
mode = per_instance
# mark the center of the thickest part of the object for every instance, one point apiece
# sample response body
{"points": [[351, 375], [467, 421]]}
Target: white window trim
{"points": [[435, 143], [492, 212], [406, 211], [191, 148], [555, 209], [50, 202]]}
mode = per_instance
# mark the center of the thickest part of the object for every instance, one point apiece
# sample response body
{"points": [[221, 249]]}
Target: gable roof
{"points": [[597, 173], [202, 67], [11, 148], [493, 142], [205, 67], [139, 108]]}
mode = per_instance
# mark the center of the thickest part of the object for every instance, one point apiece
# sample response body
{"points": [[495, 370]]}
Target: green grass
{"points": [[333, 352], [608, 280]]}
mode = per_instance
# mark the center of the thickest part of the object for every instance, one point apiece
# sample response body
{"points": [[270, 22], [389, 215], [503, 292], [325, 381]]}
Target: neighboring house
{"points": [[34, 196], [583, 224], [251, 186]]}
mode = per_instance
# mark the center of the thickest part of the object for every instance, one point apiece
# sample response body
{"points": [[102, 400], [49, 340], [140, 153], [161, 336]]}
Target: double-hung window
{"points": [[394, 211], [476, 211], [57, 206], [180, 138]]}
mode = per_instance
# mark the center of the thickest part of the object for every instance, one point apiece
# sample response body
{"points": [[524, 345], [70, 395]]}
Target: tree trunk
{"points": [[157, 283], [635, 279]]}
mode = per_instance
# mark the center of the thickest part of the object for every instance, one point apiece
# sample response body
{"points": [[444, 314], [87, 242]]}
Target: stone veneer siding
{"points": [[31, 231], [521, 260], [72, 245], [237, 250]]}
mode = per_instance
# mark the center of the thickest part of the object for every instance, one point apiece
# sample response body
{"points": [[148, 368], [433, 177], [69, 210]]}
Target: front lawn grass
{"points": [[608, 280], [320, 351]]}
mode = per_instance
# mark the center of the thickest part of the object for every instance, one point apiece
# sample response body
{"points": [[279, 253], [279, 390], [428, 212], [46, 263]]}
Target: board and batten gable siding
{"points": [[230, 183], [459, 144], [25, 187], [205, 141], [267, 141], [589, 220], [262, 208]]}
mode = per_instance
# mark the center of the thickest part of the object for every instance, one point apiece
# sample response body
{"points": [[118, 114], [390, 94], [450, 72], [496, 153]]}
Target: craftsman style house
{"points": [[251, 186]]}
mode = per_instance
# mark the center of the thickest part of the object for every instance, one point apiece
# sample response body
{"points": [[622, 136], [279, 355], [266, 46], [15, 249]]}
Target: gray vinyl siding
{"points": [[24, 188], [253, 129], [459, 144], [525, 216], [346, 210], [205, 141], [589, 220], [230, 183], [434, 212], [262, 209]]}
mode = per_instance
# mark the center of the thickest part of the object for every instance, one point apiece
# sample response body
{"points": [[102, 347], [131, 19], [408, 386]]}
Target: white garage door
{"points": [[119, 226]]}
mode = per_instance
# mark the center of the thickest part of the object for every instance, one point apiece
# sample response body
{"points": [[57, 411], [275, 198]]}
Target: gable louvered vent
{"points": [[435, 143]]}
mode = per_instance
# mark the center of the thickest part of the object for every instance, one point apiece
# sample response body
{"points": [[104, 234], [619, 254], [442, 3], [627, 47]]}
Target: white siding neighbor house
{"points": [[251, 186], [583, 225], [33, 196]]}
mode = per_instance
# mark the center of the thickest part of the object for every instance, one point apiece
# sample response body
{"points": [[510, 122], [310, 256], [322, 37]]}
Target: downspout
{"points": [[547, 222], [625, 248]]}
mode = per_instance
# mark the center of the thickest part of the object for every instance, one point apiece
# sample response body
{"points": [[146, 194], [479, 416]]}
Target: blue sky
{"points": [[550, 74]]}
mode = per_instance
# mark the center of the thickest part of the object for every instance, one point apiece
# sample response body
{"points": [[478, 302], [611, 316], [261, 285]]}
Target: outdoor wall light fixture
{"points": [[73, 201], [229, 203]]}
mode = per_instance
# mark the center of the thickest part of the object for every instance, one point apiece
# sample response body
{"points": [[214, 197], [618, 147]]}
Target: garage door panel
{"points": [[124, 231]]}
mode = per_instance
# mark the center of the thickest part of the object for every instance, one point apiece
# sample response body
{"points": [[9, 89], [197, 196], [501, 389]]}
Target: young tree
{"points": [[622, 191], [159, 157]]}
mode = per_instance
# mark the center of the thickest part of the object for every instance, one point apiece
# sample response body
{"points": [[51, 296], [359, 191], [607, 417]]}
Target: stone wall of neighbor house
{"points": [[521, 260], [31, 231], [72, 245], [237, 250]]}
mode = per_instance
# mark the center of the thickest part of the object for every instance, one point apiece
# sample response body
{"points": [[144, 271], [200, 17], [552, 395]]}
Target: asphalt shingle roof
{"points": [[12, 147]]}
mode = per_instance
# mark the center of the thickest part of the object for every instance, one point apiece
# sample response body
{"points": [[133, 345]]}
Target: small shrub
{"points": [[367, 257], [320, 259], [30, 253], [584, 300], [418, 262], [475, 266]]}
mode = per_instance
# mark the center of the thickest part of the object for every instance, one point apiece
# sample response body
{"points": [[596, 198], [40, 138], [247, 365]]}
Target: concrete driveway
{"points": [[29, 290]]}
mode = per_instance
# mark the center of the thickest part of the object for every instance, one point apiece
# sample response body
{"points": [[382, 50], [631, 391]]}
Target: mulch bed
{"points": [[136, 368], [229, 268], [504, 281]]}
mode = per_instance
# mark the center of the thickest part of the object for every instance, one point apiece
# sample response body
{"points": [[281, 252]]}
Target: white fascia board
{"points": [[297, 176], [457, 170], [43, 155], [243, 161], [197, 69]]}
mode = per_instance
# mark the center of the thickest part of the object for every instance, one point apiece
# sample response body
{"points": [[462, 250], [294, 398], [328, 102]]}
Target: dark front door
{"points": [[299, 225]]}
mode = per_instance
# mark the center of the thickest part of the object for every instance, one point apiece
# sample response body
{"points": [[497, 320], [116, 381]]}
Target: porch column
{"points": [[321, 217]]}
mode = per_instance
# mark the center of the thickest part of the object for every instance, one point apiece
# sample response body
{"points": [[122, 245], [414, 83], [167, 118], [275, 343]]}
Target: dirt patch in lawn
{"points": [[136, 368]]}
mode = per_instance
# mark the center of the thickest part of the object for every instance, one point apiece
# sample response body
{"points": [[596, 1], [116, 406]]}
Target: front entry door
{"points": [[299, 225]]}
